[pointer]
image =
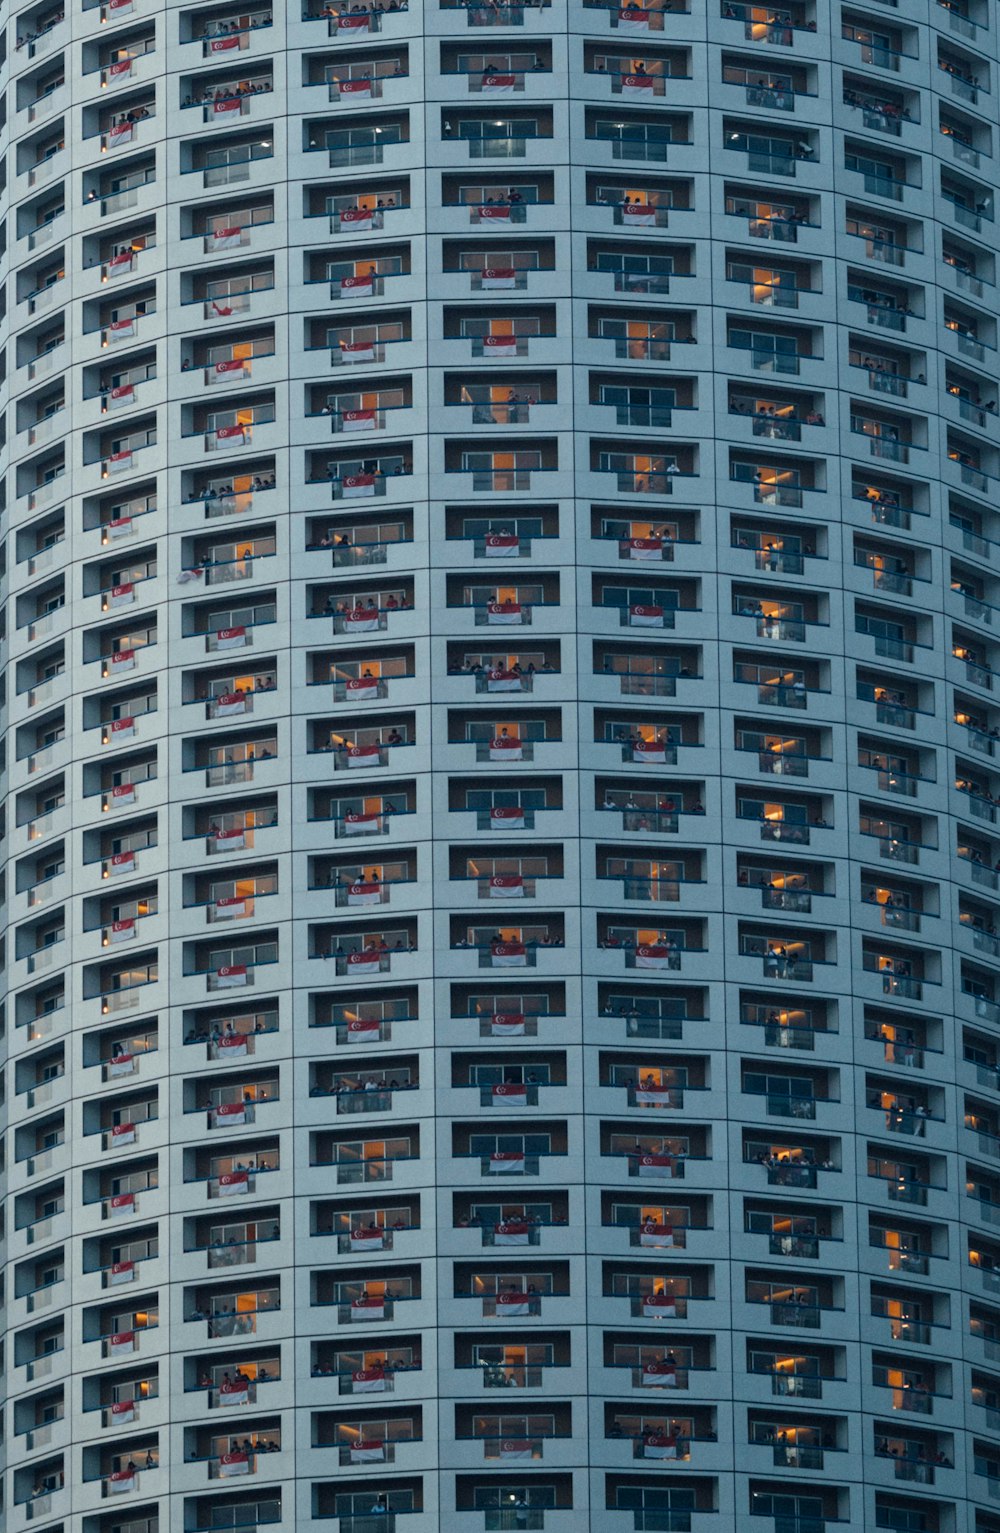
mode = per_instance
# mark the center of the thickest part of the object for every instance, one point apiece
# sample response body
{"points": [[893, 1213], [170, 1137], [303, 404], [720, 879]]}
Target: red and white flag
{"points": [[234, 1392], [122, 1134], [230, 638], [122, 797], [222, 310], [660, 1446], [231, 976], [364, 894], [506, 886], [630, 20], [654, 751], [229, 908], [367, 1240], [357, 220], [233, 1463], [116, 8], [652, 958], [233, 1045], [638, 88], [223, 372], [500, 612], [229, 106], [120, 1272], [368, 1308], [363, 756], [230, 1114], [121, 1342], [498, 85], [362, 286], [503, 748], [229, 703], [357, 351], [355, 486], [357, 824], [358, 420], [122, 931], [352, 23], [503, 681], [121, 1480], [659, 1375], [119, 136], [510, 818], [120, 527], [121, 1064], [363, 963], [228, 436], [234, 1184], [363, 1030], [510, 1094], [361, 689], [118, 72], [645, 617], [229, 840], [494, 277], [358, 90], [120, 462], [659, 1166], [368, 1381], [121, 596], [121, 1205], [367, 1450], [507, 1024], [223, 44], [121, 329], [652, 1096], [513, 1232], [659, 1306], [122, 396], [507, 1163], [490, 212], [122, 1412], [121, 660], [499, 345], [516, 1450], [509, 955], [508, 1304], [121, 729], [121, 862], [117, 264], [501, 545], [656, 1237], [227, 239], [638, 215], [361, 620]]}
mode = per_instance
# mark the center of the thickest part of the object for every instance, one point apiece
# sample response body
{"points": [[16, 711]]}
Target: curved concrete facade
{"points": [[502, 1017]]}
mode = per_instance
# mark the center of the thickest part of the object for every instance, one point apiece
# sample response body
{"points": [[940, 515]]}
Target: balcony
{"points": [[635, 21], [347, 25], [795, 1383]]}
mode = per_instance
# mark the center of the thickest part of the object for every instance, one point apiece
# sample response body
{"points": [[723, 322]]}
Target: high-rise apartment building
{"points": [[501, 1018]]}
